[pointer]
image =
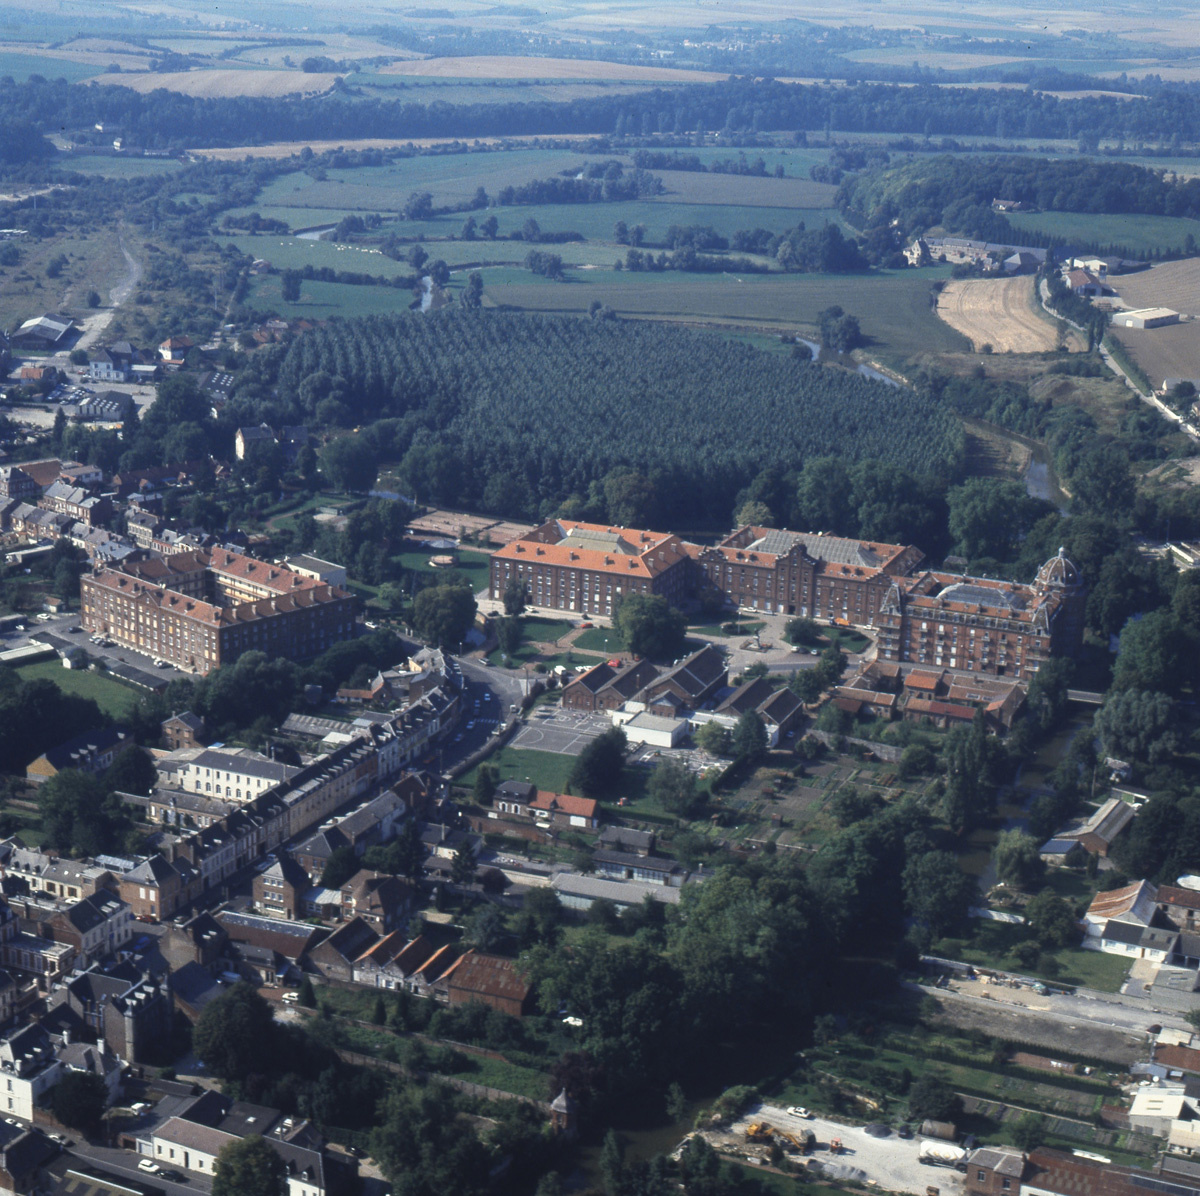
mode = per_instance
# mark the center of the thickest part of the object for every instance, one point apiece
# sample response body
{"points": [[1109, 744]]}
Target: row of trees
{"points": [[168, 119]]}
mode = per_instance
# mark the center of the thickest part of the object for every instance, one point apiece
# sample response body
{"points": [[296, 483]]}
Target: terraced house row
{"points": [[922, 616]]}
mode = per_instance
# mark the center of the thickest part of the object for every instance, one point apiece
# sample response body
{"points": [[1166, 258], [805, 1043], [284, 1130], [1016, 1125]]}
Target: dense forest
{"points": [[957, 193], [164, 120], [512, 414]]}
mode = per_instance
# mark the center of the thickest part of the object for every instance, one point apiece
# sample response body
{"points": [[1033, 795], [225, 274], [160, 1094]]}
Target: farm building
{"points": [[43, 332], [1145, 317]]}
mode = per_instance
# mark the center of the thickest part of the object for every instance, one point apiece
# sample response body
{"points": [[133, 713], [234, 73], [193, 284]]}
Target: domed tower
{"points": [[1061, 592], [1058, 573]]}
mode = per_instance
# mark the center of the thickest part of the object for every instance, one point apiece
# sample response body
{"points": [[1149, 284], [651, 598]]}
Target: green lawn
{"points": [[546, 631], [600, 639], [991, 942], [1137, 234], [113, 697], [546, 770], [474, 564]]}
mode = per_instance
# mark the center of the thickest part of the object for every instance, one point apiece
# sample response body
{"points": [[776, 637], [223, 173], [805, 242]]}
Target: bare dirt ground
{"points": [[216, 84], [497, 67], [1171, 284], [1086, 1038], [996, 312], [1170, 352]]}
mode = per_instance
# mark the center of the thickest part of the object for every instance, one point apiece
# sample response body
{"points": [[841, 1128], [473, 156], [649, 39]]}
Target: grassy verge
{"points": [[113, 697], [1123, 358]]}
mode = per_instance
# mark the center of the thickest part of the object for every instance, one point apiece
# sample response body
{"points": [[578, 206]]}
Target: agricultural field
{"points": [[115, 166], [320, 300], [998, 312], [1136, 234], [230, 82], [894, 308], [744, 190], [1170, 284], [1170, 352], [20, 64], [497, 67]]}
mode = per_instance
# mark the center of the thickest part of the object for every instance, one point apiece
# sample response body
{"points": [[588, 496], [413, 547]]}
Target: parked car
{"points": [[148, 1165]]}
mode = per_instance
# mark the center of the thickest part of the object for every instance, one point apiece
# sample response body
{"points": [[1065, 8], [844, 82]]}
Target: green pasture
{"points": [[1138, 234], [117, 167], [451, 178], [21, 66], [319, 300], [113, 697], [893, 306], [292, 253]]}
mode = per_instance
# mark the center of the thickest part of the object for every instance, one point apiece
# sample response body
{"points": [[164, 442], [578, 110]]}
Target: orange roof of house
{"points": [[1119, 901], [1185, 898], [941, 709], [565, 803], [917, 680]]}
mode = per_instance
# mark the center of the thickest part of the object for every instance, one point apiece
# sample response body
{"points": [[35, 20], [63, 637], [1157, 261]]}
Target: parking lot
{"points": [[564, 732]]}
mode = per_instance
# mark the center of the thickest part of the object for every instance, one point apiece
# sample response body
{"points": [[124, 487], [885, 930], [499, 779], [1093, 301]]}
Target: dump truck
{"points": [[941, 1154]]}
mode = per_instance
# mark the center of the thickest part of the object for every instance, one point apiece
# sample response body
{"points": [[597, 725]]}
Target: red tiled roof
{"points": [[922, 680], [1179, 1057], [489, 976], [565, 803], [941, 709], [1185, 898]]}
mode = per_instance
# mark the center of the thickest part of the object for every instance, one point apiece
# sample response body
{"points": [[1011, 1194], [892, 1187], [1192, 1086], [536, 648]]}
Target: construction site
{"points": [[791, 1139]]}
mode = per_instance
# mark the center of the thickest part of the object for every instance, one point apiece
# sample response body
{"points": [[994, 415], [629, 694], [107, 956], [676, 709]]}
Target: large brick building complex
{"points": [[584, 567], [923, 617], [202, 609], [980, 625], [804, 573]]}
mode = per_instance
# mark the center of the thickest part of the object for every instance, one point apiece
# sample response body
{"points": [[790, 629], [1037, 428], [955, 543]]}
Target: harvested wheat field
{"points": [[996, 312], [221, 84], [1171, 284], [487, 66]]}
